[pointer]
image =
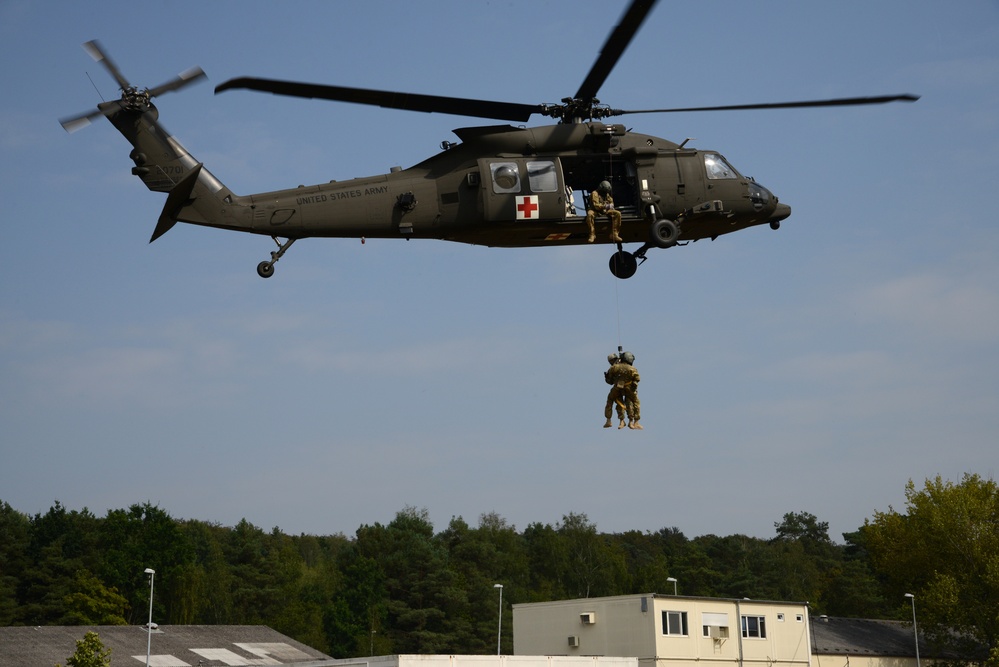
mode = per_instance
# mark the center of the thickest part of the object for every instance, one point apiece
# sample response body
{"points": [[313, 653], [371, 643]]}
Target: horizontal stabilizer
{"points": [[179, 197]]}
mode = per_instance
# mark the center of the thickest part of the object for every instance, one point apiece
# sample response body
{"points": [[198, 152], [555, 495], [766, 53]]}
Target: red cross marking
{"points": [[527, 208]]}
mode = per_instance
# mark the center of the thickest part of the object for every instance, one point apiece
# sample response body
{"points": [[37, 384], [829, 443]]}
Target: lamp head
{"points": [[149, 570], [910, 595]]}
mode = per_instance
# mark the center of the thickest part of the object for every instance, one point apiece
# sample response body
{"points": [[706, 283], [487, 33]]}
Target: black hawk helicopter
{"points": [[500, 186]]}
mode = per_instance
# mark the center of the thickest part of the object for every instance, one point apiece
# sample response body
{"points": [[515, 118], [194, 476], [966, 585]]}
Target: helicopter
{"points": [[508, 186]]}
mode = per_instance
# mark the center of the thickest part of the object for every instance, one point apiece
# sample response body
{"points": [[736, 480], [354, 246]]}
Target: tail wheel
{"points": [[265, 269], [623, 264], [665, 233]]}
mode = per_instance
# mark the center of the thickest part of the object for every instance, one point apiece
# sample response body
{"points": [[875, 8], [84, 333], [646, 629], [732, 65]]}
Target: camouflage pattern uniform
{"points": [[602, 202], [614, 397], [627, 379], [629, 389]]}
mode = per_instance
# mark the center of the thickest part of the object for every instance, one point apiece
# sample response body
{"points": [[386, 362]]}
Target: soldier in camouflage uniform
{"points": [[628, 379], [614, 397], [602, 203]]}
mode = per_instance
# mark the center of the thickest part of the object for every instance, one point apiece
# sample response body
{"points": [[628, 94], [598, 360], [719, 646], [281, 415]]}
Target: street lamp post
{"points": [[499, 626], [674, 584], [149, 627], [915, 632]]}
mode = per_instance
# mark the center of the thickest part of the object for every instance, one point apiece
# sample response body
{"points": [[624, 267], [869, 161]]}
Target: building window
{"points": [[754, 627], [780, 618], [675, 623], [799, 618]]}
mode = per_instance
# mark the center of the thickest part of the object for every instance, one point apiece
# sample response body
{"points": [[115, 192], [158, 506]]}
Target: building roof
{"points": [[172, 645], [861, 636]]}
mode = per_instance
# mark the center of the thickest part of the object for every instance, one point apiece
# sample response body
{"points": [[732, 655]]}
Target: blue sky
{"points": [[816, 368]]}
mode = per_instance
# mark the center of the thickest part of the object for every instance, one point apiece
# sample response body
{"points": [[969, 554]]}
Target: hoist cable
{"points": [[617, 300]]}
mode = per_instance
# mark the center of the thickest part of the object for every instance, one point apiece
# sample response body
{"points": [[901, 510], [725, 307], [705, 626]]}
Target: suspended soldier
{"points": [[628, 380], [625, 379], [602, 203], [614, 397]]}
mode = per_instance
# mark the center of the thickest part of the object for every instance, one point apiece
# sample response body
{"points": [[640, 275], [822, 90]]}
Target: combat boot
{"points": [[607, 424], [615, 228]]}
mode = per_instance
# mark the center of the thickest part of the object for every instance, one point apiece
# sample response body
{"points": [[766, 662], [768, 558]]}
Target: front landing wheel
{"points": [[665, 233], [623, 264], [265, 269]]}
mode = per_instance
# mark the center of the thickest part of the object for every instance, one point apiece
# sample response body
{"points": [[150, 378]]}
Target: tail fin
{"points": [[179, 197], [194, 195]]}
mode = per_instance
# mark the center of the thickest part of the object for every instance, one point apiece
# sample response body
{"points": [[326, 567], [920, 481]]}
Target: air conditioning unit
{"points": [[574, 641], [588, 617], [718, 632]]}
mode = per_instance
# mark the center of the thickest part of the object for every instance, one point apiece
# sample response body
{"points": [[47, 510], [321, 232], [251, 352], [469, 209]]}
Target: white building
{"points": [[683, 631]]}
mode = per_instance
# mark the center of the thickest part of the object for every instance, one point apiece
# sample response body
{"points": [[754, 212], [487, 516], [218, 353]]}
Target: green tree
{"points": [[61, 544], [205, 588], [91, 603], [806, 560], [945, 551], [143, 536], [90, 652], [548, 560], [357, 615], [15, 536], [482, 557], [426, 609], [596, 564], [854, 591]]}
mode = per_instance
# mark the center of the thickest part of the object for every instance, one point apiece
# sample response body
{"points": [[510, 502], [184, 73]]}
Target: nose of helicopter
{"points": [[781, 212]]}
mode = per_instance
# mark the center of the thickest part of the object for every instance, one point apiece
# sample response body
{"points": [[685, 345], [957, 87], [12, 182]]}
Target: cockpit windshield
{"points": [[717, 168]]}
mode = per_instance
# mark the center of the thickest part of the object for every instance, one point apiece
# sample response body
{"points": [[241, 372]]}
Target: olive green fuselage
{"points": [[501, 186]]}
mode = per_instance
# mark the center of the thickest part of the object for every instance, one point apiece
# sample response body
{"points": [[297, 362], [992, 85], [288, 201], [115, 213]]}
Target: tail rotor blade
{"points": [[74, 123]]}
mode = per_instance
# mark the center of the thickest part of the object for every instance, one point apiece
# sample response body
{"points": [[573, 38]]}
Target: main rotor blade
{"points": [[614, 47], [458, 106], [838, 102], [93, 47], [184, 78]]}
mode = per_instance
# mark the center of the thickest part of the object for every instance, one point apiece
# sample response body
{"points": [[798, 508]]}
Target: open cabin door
{"points": [[522, 190]]}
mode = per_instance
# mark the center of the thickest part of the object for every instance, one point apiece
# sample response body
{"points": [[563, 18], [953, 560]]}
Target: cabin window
{"points": [[506, 177], [542, 176], [717, 168]]}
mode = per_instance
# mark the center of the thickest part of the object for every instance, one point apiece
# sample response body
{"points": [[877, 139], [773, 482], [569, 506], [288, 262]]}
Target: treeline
{"points": [[395, 588], [405, 588]]}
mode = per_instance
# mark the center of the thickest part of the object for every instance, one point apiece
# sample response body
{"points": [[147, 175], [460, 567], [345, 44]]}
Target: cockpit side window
{"points": [[542, 177], [506, 177], [717, 168]]}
